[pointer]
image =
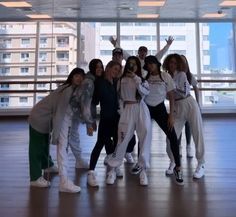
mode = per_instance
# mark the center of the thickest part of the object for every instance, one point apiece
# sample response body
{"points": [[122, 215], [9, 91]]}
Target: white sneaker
{"points": [[189, 151], [91, 179], [119, 172], [111, 177], [68, 187], [170, 170], [129, 158], [199, 172], [52, 169], [40, 182], [81, 164], [143, 180]]}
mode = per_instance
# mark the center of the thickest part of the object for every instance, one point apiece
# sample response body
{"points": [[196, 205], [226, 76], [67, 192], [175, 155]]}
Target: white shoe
{"points": [[189, 151], [81, 164], [199, 172], [68, 187], [119, 172], [52, 169], [143, 178], [170, 170], [129, 158], [91, 179], [40, 182], [111, 177]]}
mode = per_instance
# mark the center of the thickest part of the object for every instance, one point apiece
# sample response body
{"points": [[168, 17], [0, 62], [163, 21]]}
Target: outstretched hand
{"points": [[169, 40], [113, 41]]}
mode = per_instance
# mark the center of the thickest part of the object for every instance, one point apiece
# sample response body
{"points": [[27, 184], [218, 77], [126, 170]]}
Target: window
{"points": [[63, 55], [5, 43], [25, 42], [106, 52], [24, 70], [24, 57], [105, 37], [24, 86], [6, 57], [62, 69], [126, 37], [4, 101], [42, 56], [62, 41], [41, 86], [42, 70], [142, 37], [5, 86], [43, 42], [5, 71], [23, 99]]}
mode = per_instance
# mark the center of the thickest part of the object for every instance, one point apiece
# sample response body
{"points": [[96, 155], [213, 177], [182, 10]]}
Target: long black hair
{"points": [[152, 59], [75, 71], [93, 65], [188, 73]]}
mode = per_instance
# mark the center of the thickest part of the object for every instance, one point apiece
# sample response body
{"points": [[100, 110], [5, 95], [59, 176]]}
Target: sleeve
{"points": [[193, 81], [143, 87], [162, 52], [170, 84], [182, 85]]}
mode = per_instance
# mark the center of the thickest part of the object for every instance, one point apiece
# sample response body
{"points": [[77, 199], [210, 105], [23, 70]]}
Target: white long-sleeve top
{"points": [[182, 85], [129, 86]]}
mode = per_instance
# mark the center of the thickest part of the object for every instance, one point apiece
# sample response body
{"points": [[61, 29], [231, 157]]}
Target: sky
{"points": [[219, 44]]}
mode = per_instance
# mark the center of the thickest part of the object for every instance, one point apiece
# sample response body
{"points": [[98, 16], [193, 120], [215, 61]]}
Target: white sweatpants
{"points": [[133, 117], [188, 110], [62, 147]]}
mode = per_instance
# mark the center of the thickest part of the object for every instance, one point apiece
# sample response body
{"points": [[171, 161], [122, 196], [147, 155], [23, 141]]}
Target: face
{"points": [[114, 71], [77, 79], [99, 69], [142, 54], [152, 67], [133, 63], [117, 57], [173, 65]]}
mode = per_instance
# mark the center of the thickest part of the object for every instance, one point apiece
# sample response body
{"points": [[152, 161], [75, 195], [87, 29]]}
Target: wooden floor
{"points": [[212, 196]]}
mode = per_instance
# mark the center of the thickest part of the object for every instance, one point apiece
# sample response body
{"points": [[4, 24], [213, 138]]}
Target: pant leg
{"points": [[103, 137], [38, 153], [126, 129], [131, 144], [195, 121], [160, 115], [62, 147], [74, 139], [188, 133], [144, 133]]}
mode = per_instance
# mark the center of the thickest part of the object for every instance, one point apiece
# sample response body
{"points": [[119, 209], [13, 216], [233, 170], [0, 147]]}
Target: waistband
{"points": [[131, 102], [183, 97]]}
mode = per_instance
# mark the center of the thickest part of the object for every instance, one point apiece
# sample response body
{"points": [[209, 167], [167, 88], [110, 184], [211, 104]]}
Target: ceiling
{"points": [[117, 10]]}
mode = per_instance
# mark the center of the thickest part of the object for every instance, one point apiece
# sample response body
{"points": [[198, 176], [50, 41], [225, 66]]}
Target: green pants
{"points": [[39, 157]]}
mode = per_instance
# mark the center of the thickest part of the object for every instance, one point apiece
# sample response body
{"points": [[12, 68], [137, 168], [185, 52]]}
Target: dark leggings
{"points": [[107, 136], [160, 115], [187, 134]]}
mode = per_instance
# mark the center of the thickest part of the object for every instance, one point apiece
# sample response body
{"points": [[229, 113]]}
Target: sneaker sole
{"points": [[68, 191]]}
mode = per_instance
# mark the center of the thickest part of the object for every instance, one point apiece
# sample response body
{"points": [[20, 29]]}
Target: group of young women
{"points": [[127, 105]]}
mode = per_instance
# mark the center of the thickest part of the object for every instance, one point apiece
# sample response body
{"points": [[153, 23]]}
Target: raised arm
{"points": [[162, 52], [115, 43]]}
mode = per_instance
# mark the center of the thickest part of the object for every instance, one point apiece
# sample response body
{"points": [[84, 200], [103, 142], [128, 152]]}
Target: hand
{"points": [[113, 41], [90, 131], [130, 74], [94, 126], [169, 40]]}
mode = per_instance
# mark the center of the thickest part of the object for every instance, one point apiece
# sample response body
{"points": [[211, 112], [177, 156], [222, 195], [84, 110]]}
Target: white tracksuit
{"points": [[187, 109], [134, 117]]}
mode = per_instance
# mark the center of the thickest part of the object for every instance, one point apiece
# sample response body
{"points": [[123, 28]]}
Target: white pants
{"points": [[62, 147], [134, 117], [188, 110], [74, 139]]}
